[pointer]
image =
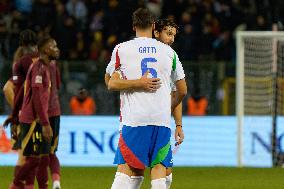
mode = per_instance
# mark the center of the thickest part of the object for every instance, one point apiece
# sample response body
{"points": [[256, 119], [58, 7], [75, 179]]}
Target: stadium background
{"points": [[205, 44]]}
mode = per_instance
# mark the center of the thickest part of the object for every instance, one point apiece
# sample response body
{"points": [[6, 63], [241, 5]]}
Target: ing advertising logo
{"points": [[5, 143]]}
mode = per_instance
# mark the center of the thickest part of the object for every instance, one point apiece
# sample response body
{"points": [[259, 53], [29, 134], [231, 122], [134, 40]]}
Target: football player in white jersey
{"points": [[145, 112], [165, 31]]}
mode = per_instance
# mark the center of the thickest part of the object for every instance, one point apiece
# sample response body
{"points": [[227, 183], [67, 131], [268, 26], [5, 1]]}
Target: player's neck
{"points": [[144, 33], [45, 58]]}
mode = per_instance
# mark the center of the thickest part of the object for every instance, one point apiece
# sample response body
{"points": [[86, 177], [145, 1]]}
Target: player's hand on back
{"points": [[47, 133], [149, 84]]}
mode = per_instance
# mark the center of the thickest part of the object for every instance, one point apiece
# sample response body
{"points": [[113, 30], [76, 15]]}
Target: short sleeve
{"points": [[37, 78], [113, 61], [110, 68], [15, 73], [177, 69]]}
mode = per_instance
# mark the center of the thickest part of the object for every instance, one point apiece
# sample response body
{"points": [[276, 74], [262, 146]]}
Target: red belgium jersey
{"points": [[37, 93]]}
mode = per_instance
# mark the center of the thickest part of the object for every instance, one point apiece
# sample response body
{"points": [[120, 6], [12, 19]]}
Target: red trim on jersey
{"points": [[128, 155], [117, 60]]}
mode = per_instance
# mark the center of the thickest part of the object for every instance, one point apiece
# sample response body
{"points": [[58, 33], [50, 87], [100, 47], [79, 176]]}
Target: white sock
{"points": [[159, 183], [121, 180], [136, 182], [56, 184], [169, 180]]}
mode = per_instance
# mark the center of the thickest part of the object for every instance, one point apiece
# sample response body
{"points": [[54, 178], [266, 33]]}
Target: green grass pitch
{"points": [[184, 178]]}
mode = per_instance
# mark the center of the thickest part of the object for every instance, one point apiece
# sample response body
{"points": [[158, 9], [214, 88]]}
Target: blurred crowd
{"points": [[89, 29]]}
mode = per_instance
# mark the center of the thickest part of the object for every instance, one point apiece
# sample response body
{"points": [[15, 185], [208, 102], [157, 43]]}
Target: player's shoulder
{"points": [[28, 57], [165, 49], [39, 65], [125, 44], [122, 44], [164, 46], [25, 59]]}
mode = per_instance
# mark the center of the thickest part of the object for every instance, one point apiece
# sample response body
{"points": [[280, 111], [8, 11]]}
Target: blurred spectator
{"points": [[43, 14], [81, 46], [223, 46], [197, 104], [67, 39], [187, 44], [24, 6], [5, 6], [3, 40], [208, 32], [96, 46], [97, 22], [261, 24], [82, 104], [112, 19], [78, 10], [155, 7], [94, 6], [89, 29], [58, 30], [204, 25]]}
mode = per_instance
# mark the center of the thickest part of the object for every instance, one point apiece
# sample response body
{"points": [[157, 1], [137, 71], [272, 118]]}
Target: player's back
{"points": [[54, 104], [134, 58]]}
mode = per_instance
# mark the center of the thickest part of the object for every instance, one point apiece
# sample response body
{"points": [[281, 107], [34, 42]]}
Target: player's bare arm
{"points": [[8, 90], [177, 113], [180, 93], [176, 101], [148, 84], [107, 78]]}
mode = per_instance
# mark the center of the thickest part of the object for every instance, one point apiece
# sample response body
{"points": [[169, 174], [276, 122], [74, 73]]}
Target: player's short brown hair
{"points": [[162, 23], [142, 18]]}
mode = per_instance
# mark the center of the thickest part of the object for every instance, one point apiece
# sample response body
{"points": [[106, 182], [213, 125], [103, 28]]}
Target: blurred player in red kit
{"points": [[25, 55], [36, 132], [54, 119]]}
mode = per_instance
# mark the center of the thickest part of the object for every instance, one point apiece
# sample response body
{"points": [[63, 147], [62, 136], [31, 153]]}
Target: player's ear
{"points": [[46, 50], [153, 26], [156, 33]]}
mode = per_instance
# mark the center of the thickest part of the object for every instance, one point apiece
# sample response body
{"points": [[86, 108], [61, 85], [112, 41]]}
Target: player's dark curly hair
{"points": [[162, 23], [27, 38], [142, 18]]}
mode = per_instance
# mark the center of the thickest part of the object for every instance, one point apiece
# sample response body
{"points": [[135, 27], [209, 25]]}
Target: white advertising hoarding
{"points": [[209, 141]]}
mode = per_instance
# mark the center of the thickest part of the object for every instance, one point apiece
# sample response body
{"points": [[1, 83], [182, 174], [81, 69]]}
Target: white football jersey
{"points": [[132, 59]]}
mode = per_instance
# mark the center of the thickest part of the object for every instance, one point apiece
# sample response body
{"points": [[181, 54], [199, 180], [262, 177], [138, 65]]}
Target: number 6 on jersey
{"points": [[144, 67]]}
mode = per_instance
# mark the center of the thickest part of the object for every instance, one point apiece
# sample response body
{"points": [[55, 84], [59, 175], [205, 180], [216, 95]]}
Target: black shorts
{"points": [[55, 125], [32, 141]]}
